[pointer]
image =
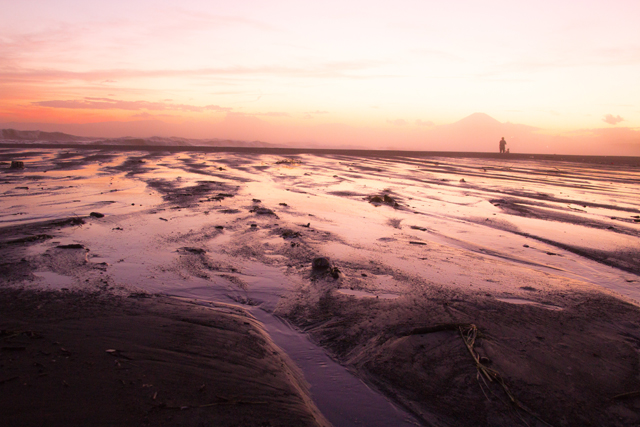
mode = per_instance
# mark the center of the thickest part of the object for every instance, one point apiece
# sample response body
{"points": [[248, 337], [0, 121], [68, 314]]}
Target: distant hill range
{"points": [[36, 136]]}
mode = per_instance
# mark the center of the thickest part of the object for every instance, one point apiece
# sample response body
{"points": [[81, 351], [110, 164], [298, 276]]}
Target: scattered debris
{"points": [[289, 162]]}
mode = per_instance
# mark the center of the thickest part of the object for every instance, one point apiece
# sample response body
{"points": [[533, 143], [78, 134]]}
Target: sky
{"points": [[559, 76]]}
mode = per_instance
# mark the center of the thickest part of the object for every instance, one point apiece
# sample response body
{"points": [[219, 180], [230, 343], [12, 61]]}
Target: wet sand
{"points": [[468, 291]]}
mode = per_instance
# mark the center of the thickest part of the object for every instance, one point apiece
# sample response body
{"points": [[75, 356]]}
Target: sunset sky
{"points": [[334, 73]]}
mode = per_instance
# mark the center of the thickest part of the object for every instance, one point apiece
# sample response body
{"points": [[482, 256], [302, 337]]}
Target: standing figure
{"points": [[503, 144]]}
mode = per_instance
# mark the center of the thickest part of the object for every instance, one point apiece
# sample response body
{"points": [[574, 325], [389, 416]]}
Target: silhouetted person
{"points": [[503, 144]]}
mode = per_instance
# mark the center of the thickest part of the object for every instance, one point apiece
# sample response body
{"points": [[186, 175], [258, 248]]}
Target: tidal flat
{"points": [[148, 287]]}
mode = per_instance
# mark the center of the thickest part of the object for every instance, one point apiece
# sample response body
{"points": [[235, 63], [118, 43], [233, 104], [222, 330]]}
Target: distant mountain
{"points": [[36, 135], [477, 120]]}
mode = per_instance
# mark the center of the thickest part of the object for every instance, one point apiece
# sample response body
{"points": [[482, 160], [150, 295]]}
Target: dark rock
{"points": [[96, 214], [17, 164], [289, 234], [417, 243], [254, 225], [384, 199], [525, 246], [197, 251], [163, 219], [256, 200], [462, 180], [415, 227], [321, 263], [219, 227], [283, 204], [71, 246], [263, 211]]}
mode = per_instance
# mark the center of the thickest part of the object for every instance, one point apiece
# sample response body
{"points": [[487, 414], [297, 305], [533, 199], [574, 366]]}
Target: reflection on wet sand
{"points": [[541, 256]]}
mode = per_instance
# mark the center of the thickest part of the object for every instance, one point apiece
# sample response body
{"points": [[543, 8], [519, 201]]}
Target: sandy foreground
{"points": [[461, 291]]}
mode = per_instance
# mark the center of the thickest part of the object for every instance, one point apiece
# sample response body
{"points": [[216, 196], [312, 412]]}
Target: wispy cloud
{"points": [[611, 119], [397, 122], [424, 123], [266, 114], [147, 115], [114, 104], [343, 69]]}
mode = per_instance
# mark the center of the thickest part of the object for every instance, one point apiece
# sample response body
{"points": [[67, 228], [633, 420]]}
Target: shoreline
{"points": [[615, 160]]}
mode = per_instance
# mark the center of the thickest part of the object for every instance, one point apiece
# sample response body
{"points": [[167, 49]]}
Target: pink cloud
{"points": [[611, 119], [339, 69], [424, 123]]}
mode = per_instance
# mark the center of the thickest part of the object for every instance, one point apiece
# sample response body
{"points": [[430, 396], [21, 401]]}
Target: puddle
{"points": [[365, 294], [341, 397], [522, 301]]}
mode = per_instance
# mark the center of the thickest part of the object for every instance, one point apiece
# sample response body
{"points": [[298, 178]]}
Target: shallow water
{"points": [[510, 229]]}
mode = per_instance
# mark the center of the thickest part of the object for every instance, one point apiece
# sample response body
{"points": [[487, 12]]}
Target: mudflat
{"points": [[78, 358], [467, 290]]}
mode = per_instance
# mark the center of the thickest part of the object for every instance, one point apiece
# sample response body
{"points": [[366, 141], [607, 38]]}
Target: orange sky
{"points": [[334, 73]]}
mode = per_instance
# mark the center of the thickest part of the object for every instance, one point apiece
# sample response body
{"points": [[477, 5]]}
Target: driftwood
{"points": [[469, 333]]}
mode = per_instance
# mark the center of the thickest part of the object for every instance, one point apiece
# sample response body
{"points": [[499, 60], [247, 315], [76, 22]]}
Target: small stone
{"points": [[96, 214], [17, 164]]}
